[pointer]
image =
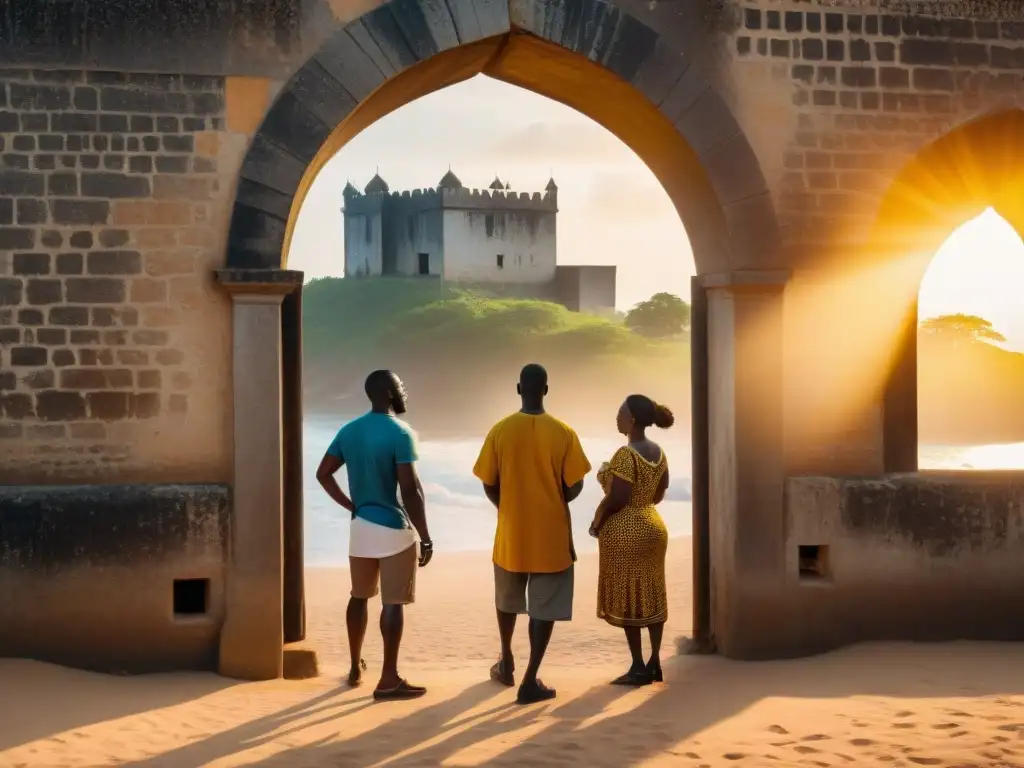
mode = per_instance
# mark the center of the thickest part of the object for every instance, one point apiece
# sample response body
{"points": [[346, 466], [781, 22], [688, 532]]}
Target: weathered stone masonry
{"points": [[869, 88], [107, 189]]}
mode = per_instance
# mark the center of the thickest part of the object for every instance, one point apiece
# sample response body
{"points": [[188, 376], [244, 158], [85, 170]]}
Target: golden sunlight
{"points": [[970, 340]]}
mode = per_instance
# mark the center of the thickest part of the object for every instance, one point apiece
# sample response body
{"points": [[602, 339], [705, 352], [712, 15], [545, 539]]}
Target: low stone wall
{"points": [[116, 578], [923, 557]]}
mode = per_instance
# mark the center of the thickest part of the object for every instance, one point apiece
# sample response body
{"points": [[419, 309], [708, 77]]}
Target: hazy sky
{"points": [[612, 209]]}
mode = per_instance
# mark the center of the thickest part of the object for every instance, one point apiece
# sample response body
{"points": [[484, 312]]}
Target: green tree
{"points": [[961, 327], [664, 314]]}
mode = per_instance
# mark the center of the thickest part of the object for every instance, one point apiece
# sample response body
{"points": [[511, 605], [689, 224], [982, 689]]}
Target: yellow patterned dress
{"points": [[632, 545]]}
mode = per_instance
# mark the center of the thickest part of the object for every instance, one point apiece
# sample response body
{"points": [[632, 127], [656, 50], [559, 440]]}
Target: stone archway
{"points": [[977, 165], [602, 61]]}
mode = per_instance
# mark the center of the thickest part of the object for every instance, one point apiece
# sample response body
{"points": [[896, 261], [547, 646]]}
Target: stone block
{"points": [[294, 128], [31, 264], [16, 238], [59, 406], [71, 212], [114, 263], [28, 356], [42, 291], [353, 58], [95, 290], [114, 185], [22, 184], [69, 264]]}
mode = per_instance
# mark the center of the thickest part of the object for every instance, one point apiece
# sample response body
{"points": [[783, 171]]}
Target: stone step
{"points": [[300, 662]]}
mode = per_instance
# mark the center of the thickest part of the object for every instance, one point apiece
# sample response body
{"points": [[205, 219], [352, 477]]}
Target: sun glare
{"points": [[979, 270]]}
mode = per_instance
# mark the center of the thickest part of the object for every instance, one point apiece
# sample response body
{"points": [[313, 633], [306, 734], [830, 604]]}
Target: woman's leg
{"points": [[654, 665], [636, 648]]}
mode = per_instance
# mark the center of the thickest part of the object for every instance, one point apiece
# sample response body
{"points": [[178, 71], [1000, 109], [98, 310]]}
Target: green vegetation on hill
{"points": [[460, 350]]}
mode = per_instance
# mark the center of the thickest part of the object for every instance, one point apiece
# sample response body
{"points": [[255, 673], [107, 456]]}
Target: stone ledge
{"points": [[300, 662], [278, 282]]}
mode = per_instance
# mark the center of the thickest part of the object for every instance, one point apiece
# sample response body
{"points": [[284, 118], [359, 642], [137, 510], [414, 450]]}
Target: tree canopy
{"points": [[961, 327], [662, 315]]}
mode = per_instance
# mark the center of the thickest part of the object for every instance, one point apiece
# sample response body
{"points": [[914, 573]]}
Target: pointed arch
{"points": [[590, 55]]}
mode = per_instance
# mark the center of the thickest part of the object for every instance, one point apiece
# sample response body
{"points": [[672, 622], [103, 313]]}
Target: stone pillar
{"points": [[899, 426], [294, 560], [702, 639], [746, 465], [252, 638]]}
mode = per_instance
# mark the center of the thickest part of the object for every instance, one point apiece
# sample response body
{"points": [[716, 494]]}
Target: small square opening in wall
{"points": [[191, 597], [813, 561]]}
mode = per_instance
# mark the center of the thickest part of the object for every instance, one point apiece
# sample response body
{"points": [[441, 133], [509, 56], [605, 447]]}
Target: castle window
{"points": [[500, 261], [489, 224], [411, 227], [424, 263], [369, 232]]}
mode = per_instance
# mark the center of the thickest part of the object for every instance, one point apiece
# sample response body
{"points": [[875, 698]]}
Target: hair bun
{"points": [[663, 417]]}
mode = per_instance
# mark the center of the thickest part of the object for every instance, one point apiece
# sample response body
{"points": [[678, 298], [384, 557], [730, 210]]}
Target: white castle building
{"points": [[493, 237]]}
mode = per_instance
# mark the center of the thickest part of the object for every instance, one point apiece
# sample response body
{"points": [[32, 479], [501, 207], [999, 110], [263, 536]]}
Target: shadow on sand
{"points": [[482, 725]]}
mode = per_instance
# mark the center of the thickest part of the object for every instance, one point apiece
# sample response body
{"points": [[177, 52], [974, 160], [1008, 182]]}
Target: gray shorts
{"points": [[541, 596]]}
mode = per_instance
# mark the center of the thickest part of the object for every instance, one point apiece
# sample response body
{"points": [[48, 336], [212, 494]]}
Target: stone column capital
{"points": [[258, 285], [747, 280]]}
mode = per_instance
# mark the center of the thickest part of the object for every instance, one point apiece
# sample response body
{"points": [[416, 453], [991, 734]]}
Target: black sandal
{"points": [[534, 692], [498, 674], [635, 678], [401, 691]]}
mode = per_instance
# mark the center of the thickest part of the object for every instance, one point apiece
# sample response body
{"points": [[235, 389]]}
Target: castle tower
{"points": [[449, 181], [497, 184], [376, 186]]}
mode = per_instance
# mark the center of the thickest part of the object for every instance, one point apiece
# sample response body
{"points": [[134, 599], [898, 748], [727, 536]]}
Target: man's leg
{"points": [[549, 600], [397, 589], [364, 573], [509, 601]]}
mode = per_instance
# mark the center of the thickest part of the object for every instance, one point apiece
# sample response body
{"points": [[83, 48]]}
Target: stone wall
{"points": [[867, 89], [927, 557], [87, 575], [114, 346]]}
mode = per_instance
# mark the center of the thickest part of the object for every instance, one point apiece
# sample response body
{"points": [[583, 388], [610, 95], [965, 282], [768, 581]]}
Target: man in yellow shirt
{"points": [[532, 465]]}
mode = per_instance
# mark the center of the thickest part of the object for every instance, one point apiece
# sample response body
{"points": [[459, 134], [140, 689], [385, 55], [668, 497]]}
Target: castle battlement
{"points": [[449, 193], [497, 200]]}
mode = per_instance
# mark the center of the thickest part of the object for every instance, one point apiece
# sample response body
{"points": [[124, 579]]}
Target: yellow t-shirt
{"points": [[530, 456]]}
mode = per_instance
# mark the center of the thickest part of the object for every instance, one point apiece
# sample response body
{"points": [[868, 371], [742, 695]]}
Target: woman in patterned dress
{"points": [[632, 538]]}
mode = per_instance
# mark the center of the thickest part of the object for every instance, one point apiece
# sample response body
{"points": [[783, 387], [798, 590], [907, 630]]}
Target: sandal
{"points": [[534, 692], [635, 678], [401, 691], [654, 671], [498, 674], [355, 677]]}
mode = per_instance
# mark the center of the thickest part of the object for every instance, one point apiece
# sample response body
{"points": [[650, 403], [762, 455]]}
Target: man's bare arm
{"points": [[329, 465], [412, 498], [572, 491], [493, 494]]}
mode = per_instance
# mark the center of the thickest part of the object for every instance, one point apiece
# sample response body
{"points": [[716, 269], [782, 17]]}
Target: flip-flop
{"points": [[401, 691], [498, 675], [635, 679], [359, 681], [531, 694]]}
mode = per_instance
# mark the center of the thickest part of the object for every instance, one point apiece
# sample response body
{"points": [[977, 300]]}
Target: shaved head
{"points": [[533, 381]]}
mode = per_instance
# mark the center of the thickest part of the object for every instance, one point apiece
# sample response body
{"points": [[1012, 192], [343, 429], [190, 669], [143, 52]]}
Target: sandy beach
{"points": [[958, 704]]}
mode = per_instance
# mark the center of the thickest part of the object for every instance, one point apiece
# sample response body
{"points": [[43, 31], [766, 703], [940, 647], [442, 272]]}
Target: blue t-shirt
{"points": [[372, 447]]}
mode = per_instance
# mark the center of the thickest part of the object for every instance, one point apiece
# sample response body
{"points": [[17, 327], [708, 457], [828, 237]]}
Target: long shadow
{"points": [[620, 727], [39, 700], [390, 737]]}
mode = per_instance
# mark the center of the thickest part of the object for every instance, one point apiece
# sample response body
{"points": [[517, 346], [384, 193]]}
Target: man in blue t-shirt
{"points": [[379, 451]]}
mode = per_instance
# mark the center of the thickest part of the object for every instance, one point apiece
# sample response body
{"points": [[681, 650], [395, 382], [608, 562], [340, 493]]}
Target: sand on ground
{"points": [[958, 704]]}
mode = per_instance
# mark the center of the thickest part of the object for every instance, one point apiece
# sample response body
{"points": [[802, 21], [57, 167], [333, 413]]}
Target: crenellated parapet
{"points": [[495, 200]]}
